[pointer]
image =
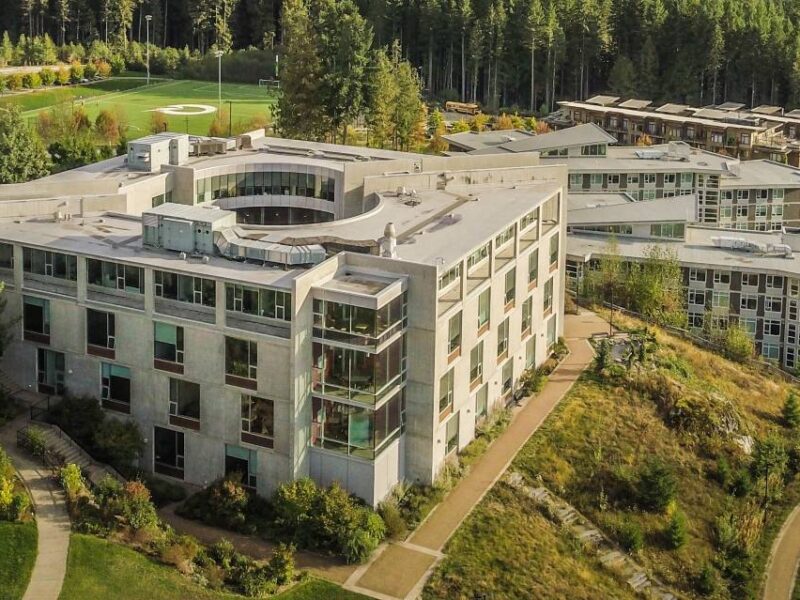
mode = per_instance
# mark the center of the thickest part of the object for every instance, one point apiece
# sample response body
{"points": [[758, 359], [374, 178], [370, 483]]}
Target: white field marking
{"points": [[185, 110]]}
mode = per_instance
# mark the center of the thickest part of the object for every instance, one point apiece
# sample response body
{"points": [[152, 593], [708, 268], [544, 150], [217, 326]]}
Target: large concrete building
{"points": [[283, 308]]}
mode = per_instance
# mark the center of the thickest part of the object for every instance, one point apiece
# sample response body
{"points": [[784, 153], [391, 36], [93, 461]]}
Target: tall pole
{"points": [[147, 18], [219, 77]]}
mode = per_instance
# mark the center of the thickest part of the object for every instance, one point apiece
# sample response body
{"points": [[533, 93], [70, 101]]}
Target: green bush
{"points": [[630, 536], [48, 76], [117, 442], [791, 411], [396, 528], [35, 441], [657, 486], [281, 564], [257, 583], [222, 553], [31, 81], [72, 481], [723, 472], [76, 72], [741, 483], [706, 581], [135, 507], [677, 530], [737, 345]]}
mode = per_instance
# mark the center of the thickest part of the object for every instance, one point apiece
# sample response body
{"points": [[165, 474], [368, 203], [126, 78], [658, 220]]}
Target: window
{"points": [[777, 210], [530, 353], [726, 213], [167, 343], [532, 218], [241, 360], [670, 179], [507, 377], [667, 230], [261, 302], [778, 194], [450, 276], [479, 255], [742, 195], [775, 282], [115, 387], [446, 384], [792, 310], [451, 435], [633, 178], [258, 421], [761, 211], [697, 274], [504, 237], [184, 402], [748, 302], [114, 276], [554, 250], [649, 178], [36, 319], [722, 277], [762, 195], [185, 288], [482, 402], [593, 150], [476, 363], [772, 327], [750, 279], [6, 256], [726, 195], [697, 297], [647, 195], [613, 179], [533, 267], [242, 464], [773, 304], [695, 320], [510, 286], [720, 300], [748, 325], [356, 430], [502, 339], [548, 296], [771, 351], [100, 331], [741, 212], [50, 264], [716, 137], [168, 457], [596, 179], [527, 315], [50, 371], [791, 333], [575, 180], [454, 333], [484, 308]]}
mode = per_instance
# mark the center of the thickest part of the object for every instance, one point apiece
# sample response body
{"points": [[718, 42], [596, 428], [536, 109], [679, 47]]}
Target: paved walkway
{"points": [[784, 559], [52, 520], [400, 570]]}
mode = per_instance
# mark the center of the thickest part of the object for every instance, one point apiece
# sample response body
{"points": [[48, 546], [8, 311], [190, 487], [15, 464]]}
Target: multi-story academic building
{"points": [[282, 308]]}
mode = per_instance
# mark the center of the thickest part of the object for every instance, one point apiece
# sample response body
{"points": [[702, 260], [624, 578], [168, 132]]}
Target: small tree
{"points": [[657, 486], [158, 122], [631, 537], [737, 344], [791, 411], [478, 122], [62, 77], [460, 126], [769, 461], [677, 530], [22, 155]]}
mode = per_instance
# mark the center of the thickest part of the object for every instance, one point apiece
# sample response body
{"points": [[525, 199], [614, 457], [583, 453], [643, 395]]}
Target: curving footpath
{"points": [[398, 571], [784, 559], [52, 520]]}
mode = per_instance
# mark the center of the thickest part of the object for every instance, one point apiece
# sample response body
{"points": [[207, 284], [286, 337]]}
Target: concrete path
{"points": [[400, 570], [784, 559], [52, 520]]}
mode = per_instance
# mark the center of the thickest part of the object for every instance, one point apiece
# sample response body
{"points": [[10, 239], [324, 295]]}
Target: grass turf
{"points": [[136, 101], [506, 548], [99, 569], [17, 555]]}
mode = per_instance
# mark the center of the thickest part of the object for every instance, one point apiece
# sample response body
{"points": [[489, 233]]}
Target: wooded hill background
{"points": [[694, 51]]}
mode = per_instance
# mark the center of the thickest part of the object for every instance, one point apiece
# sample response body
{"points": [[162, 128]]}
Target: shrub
{"points": [[723, 472], [737, 344], [6, 495], [103, 69], [76, 72], [396, 528], [360, 539], [20, 506], [281, 564], [256, 583], [117, 442], [180, 552], [135, 506], [706, 581], [79, 417], [677, 530], [164, 492], [35, 441], [72, 481], [630, 536], [62, 76], [657, 486], [48, 76], [222, 553], [295, 504], [31, 81], [14, 81], [791, 411], [741, 483], [90, 71]]}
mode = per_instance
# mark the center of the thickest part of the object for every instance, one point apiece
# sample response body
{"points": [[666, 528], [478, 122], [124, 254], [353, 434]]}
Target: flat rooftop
{"points": [[651, 158], [585, 134], [681, 209]]}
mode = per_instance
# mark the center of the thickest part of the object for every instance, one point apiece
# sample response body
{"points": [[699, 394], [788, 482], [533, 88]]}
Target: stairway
{"points": [[70, 453]]}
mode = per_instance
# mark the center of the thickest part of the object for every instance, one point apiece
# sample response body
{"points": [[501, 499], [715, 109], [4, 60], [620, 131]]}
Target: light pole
{"points": [[147, 18], [219, 54]]}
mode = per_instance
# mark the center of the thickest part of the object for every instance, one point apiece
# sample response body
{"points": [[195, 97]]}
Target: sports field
{"points": [[137, 101]]}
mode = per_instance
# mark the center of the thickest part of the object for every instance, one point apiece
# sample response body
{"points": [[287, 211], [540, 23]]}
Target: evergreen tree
{"points": [[22, 154], [791, 411], [382, 95], [622, 79]]}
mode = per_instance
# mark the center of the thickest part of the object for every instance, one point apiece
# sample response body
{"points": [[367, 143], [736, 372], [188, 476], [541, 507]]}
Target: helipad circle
{"points": [[186, 110]]}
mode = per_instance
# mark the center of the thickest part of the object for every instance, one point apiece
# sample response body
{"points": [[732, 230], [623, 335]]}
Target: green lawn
{"points": [[98, 569], [17, 555], [136, 102]]}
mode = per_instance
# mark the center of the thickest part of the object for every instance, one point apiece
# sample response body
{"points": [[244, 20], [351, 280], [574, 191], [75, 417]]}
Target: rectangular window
{"points": [[533, 267], [697, 274], [667, 230], [670, 179], [504, 237], [742, 195], [547, 303], [482, 402], [100, 332], [260, 302], [773, 304], [529, 220], [649, 178], [185, 288], [167, 343], [771, 351], [530, 353], [115, 276], [722, 277], [761, 211], [258, 421], [778, 194], [507, 377], [451, 435], [720, 300], [748, 302], [484, 308], [454, 333], [772, 327], [478, 256], [633, 178], [241, 362], [502, 339], [553, 250], [775, 282], [697, 297], [510, 286], [527, 315], [184, 402], [6, 256], [242, 464], [750, 279], [115, 387], [168, 457], [613, 179], [446, 384], [575, 180], [716, 137], [50, 264], [36, 319], [476, 363], [596, 180], [50, 371], [450, 276]]}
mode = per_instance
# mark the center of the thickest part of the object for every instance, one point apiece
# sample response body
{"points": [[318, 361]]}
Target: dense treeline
{"points": [[493, 51]]}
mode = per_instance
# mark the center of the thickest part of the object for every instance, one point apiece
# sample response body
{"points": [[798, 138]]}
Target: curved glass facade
{"points": [[266, 183]]}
